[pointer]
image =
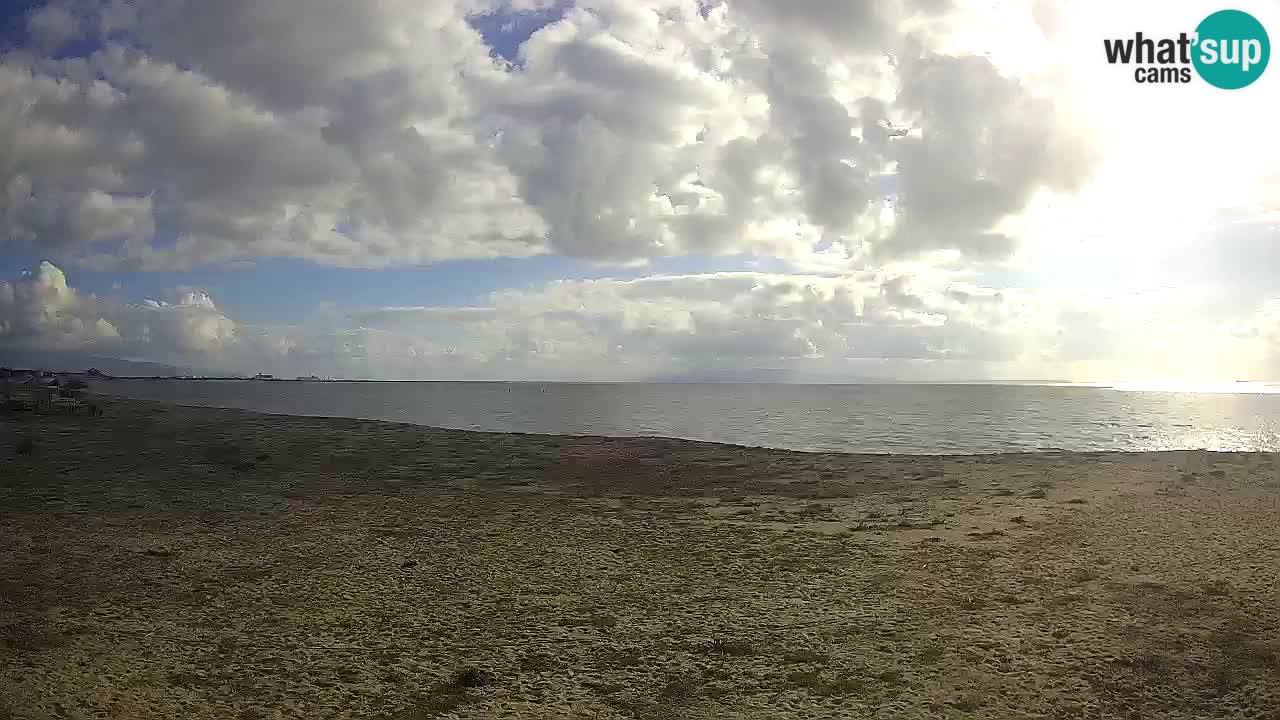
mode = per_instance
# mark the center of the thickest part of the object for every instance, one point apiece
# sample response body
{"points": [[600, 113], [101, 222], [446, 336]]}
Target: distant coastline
{"points": [[1204, 387]]}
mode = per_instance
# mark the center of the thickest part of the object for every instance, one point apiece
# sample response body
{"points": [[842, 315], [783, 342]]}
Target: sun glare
{"points": [[1204, 387]]}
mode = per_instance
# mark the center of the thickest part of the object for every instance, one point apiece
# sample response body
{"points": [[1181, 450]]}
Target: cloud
{"points": [[40, 311], [388, 132], [262, 129], [191, 325], [986, 148], [902, 324], [52, 26], [692, 325]]}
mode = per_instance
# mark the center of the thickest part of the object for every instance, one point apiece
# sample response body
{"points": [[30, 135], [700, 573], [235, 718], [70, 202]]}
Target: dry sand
{"points": [[170, 562]]}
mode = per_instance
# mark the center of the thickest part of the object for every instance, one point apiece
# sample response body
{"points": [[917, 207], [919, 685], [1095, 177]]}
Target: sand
{"points": [[174, 562]]}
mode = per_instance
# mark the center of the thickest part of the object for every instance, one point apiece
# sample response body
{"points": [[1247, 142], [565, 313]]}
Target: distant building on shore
{"points": [[264, 376]]}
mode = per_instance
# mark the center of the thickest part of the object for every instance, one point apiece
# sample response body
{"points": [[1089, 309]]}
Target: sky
{"points": [[810, 191]]}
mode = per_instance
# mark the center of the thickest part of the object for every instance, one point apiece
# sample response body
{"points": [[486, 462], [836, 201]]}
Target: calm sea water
{"points": [[849, 418]]}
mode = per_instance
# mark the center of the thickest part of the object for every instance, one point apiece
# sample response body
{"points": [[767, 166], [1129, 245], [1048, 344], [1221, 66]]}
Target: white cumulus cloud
{"points": [[40, 311], [746, 325]]}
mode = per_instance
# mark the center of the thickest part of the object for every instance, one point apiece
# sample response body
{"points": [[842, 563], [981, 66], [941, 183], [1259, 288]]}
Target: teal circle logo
{"points": [[1232, 49]]}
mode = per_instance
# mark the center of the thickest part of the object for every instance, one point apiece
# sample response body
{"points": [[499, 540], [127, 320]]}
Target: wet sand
{"points": [[164, 562]]}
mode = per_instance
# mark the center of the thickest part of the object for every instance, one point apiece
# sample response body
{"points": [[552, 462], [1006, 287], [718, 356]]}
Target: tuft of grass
{"points": [[536, 662], [679, 690], [1224, 679], [815, 510], [730, 647], [1077, 501], [1217, 588], [1238, 656], [930, 655], [31, 638], [223, 453], [445, 697], [470, 677], [1084, 575], [226, 644], [969, 702], [603, 622], [1150, 665]]}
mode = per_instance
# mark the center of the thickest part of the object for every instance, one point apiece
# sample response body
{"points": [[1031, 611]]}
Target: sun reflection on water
{"points": [[1195, 387]]}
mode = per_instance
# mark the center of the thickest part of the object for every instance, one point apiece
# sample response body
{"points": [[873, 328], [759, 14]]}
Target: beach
{"points": [[169, 561]]}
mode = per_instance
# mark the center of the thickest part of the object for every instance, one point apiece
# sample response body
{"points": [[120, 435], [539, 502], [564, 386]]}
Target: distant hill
{"points": [[69, 361]]}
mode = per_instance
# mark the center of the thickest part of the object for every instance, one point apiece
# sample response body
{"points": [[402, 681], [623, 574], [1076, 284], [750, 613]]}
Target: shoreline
{"points": [[299, 566]]}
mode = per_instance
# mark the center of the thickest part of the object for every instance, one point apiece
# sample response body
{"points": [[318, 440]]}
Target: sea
{"points": [[870, 418]]}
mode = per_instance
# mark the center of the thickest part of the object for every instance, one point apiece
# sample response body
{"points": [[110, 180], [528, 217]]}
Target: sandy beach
{"points": [[177, 562]]}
